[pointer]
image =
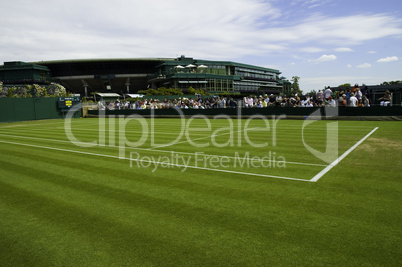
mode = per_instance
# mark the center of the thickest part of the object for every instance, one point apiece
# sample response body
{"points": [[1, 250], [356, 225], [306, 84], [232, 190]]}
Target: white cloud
{"points": [[372, 52], [343, 49], [315, 3], [135, 28], [388, 59], [349, 30], [326, 58], [231, 29], [364, 66], [349, 66]]}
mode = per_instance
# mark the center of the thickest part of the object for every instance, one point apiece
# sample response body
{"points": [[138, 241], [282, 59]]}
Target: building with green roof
{"points": [[217, 76], [126, 76], [18, 72]]}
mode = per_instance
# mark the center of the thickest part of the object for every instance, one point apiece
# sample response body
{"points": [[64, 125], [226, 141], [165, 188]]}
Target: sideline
{"points": [[155, 150], [344, 155], [170, 164]]}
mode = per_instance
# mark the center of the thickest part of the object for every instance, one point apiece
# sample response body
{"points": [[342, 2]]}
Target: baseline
{"points": [[344, 155]]}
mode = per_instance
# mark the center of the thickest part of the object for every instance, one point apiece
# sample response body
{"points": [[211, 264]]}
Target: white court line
{"points": [[76, 129], [156, 150], [27, 125], [157, 162], [335, 162]]}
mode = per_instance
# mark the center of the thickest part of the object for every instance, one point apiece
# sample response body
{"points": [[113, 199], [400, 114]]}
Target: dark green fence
{"points": [[25, 109]]}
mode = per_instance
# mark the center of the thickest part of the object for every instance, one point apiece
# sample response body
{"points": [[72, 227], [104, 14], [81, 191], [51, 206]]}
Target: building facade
{"points": [[217, 77], [18, 72], [125, 76]]}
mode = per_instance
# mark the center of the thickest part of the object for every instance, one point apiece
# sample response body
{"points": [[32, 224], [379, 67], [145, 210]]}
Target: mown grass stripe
{"points": [[60, 208], [344, 155], [156, 162], [146, 149]]}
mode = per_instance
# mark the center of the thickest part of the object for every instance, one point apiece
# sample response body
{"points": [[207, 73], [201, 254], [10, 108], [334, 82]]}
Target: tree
{"points": [[312, 93], [161, 91], [391, 82], [192, 91], [345, 85], [295, 85]]}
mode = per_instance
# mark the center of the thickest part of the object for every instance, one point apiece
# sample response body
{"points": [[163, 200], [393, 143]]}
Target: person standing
{"points": [[342, 100], [272, 99], [320, 97], [348, 93], [353, 100], [358, 94], [366, 101], [328, 93], [266, 99], [250, 101], [245, 101]]}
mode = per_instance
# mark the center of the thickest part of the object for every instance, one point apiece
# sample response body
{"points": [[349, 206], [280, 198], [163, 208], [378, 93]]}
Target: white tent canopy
{"points": [[135, 95], [108, 94]]}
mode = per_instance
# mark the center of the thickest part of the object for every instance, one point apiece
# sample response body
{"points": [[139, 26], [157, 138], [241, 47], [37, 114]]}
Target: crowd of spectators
{"points": [[354, 97], [197, 102]]}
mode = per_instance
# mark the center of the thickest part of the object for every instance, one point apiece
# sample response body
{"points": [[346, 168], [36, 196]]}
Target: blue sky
{"points": [[324, 42]]}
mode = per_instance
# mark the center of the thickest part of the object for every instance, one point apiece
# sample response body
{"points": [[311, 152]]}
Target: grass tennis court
{"points": [[115, 192]]}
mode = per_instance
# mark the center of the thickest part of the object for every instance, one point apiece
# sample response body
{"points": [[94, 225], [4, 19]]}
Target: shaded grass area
{"points": [[61, 208]]}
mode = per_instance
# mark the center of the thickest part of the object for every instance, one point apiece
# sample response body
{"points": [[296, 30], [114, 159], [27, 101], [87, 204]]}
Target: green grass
{"points": [[62, 204]]}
